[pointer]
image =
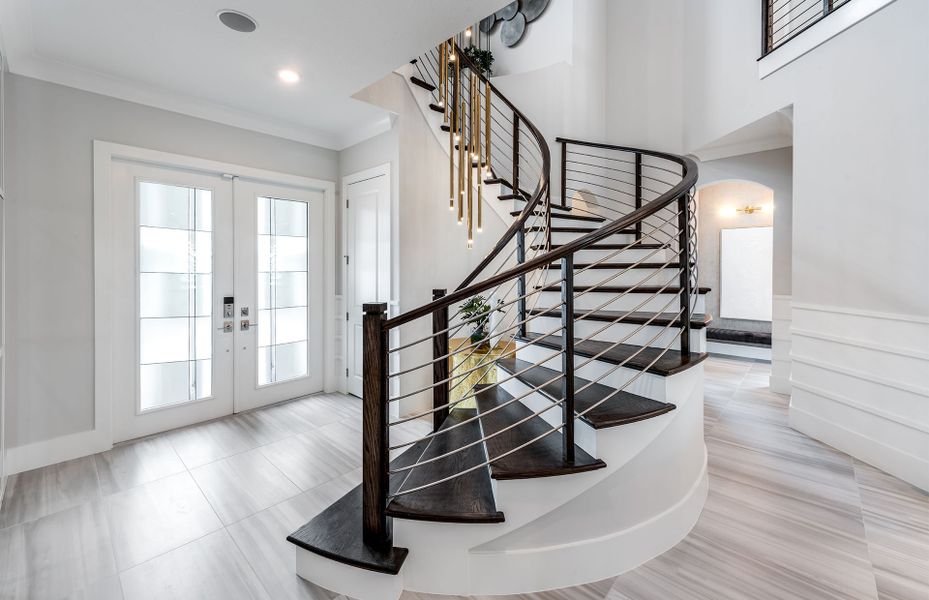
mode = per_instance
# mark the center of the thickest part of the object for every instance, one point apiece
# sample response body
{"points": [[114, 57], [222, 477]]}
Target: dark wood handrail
{"points": [[688, 181], [540, 190]]}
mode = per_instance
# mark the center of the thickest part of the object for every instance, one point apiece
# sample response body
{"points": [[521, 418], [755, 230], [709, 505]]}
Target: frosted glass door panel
{"points": [[175, 294], [282, 259]]}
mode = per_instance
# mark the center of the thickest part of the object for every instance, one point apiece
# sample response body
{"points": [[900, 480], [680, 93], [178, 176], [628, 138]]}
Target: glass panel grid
{"points": [[175, 294], [282, 290]]}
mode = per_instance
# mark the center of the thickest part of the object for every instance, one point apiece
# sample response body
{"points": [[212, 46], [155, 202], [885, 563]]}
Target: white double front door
{"points": [[222, 303]]}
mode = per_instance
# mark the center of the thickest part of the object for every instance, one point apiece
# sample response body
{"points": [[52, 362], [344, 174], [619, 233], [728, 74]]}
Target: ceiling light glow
{"points": [[288, 76]]}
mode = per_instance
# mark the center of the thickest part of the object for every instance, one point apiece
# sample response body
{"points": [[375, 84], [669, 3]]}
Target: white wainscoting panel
{"points": [[860, 383]]}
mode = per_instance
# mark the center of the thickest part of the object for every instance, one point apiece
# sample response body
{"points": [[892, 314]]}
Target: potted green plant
{"points": [[477, 312], [482, 59]]}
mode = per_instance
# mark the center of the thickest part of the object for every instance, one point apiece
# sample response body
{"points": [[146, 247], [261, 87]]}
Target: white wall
{"points": [[562, 90], [645, 83], [543, 45], [49, 243], [860, 333]]}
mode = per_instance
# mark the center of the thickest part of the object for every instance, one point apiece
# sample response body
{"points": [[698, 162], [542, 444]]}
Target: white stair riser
{"points": [[629, 255], [619, 331], [585, 436], [631, 301], [562, 237], [626, 277], [648, 385]]}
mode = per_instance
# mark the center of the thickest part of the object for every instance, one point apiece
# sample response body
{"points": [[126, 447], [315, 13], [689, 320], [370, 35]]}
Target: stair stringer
{"points": [[454, 558]]}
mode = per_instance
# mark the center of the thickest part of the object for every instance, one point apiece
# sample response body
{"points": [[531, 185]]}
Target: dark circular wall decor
{"points": [[513, 30], [516, 17], [533, 8], [509, 11]]}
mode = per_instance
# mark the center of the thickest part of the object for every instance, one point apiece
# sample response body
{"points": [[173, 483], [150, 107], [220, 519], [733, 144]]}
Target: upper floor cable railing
{"points": [[541, 283], [782, 20]]}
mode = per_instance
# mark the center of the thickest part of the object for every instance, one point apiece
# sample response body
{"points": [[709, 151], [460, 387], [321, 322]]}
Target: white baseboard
{"points": [[909, 468], [56, 450], [740, 350]]}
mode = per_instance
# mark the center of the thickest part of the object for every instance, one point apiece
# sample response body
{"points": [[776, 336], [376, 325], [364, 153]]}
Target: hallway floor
{"points": [[202, 513]]}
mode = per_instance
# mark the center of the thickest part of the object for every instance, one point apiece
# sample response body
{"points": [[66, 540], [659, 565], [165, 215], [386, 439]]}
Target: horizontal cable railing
{"points": [[633, 254], [782, 20]]}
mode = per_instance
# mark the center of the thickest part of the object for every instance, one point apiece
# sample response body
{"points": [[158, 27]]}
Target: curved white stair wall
{"points": [[655, 475]]}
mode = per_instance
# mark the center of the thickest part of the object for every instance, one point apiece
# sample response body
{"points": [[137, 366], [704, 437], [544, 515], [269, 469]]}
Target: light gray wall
{"points": [[50, 237], [772, 169], [715, 210]]}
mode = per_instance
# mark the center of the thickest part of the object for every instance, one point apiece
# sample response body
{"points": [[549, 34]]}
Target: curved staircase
{"points": [[567, 446]]}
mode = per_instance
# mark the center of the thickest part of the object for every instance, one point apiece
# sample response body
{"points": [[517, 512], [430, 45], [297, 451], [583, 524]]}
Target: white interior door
{"points": [[172, 359], [368, 255], [279, 293]]}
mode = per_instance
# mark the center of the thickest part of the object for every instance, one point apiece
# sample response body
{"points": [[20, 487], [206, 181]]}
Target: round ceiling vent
{"points": [[237, 21]]}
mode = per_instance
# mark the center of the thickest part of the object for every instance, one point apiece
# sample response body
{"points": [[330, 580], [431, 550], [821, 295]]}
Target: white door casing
{"points": [[367, 245]]}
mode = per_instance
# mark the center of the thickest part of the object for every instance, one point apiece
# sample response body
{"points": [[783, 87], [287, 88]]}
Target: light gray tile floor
{"points": [[203, 512]]}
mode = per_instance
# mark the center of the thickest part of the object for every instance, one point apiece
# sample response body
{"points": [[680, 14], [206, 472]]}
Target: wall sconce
{"points": [[749, 209]]}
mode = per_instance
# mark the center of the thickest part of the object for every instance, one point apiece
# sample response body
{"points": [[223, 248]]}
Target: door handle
{"points": [[245, 325], [226, 328]]}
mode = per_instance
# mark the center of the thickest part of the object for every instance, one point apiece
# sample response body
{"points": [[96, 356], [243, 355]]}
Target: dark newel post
{"points": [[374, 427], [827, 7], [765, 26], [564, 173], [567, 354], [638, 192], [683, 226], [515, 153], [521, 283], [440, 362]]}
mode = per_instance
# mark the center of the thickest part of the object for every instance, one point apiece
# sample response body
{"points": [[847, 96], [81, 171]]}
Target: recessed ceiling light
{"points": [[237, 21], [288, 76]]}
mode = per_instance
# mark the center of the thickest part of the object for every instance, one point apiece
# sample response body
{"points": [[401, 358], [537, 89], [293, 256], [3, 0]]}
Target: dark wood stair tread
{"points": [[629, 246], [465, 499], [500, 180], [569, 216], [619, 289], [542, 458], [581, 230], [621, 408], [623, 265], [336, 533], [697, 321], [639, 357], [423, 84], [435, 107], [511, 197]]}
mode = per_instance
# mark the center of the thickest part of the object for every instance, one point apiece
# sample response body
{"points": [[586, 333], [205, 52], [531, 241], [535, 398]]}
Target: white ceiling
{"points": [[175, 54]]}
